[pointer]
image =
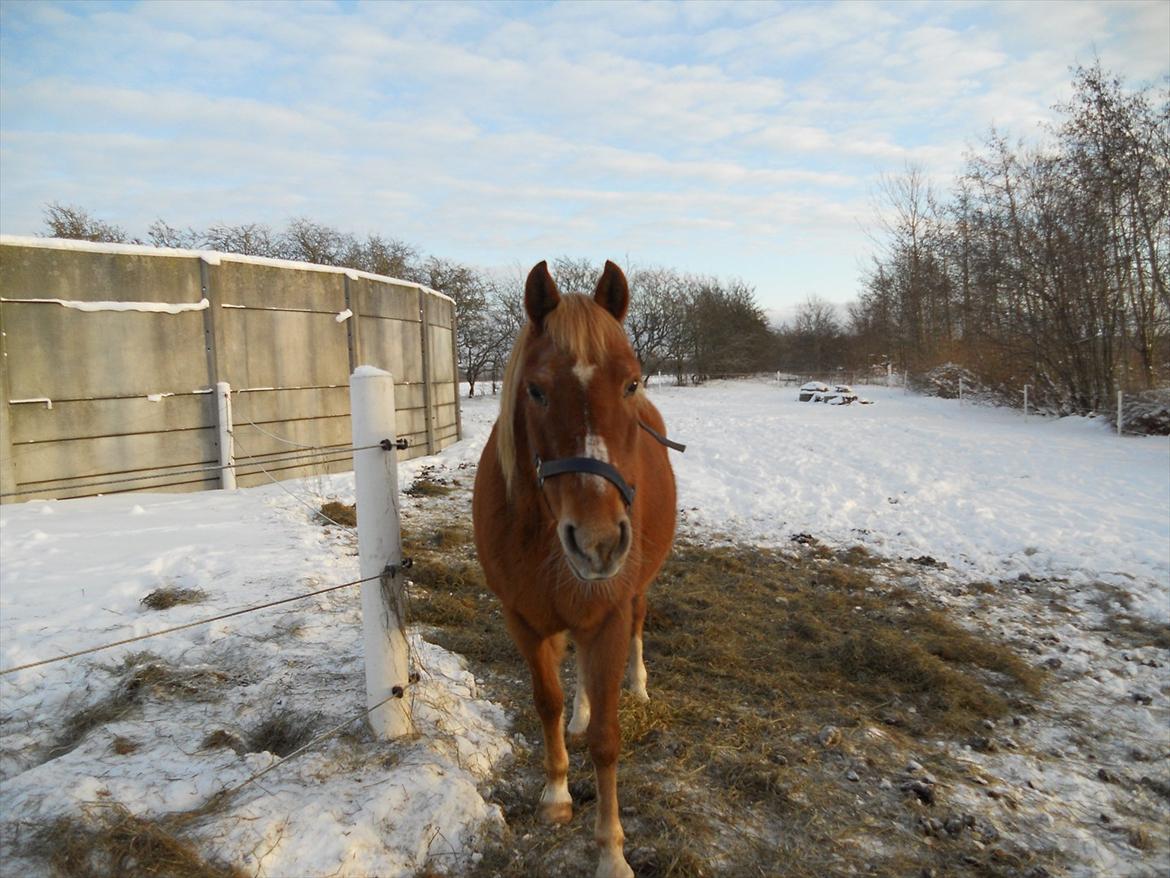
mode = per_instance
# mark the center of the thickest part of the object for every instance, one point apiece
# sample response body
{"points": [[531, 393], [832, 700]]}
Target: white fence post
{"points": [[1120, 416], [227, 442], [375, 471]]}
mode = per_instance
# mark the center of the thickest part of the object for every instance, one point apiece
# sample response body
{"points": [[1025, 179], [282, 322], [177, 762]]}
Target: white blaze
{"points": [[596, 448], [584, 372]]}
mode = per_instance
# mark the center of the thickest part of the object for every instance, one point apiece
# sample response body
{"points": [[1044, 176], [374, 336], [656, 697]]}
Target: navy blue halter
{"points": [[594, 467]]}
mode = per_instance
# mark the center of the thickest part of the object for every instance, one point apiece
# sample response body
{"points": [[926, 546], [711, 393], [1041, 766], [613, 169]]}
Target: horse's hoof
{"points": [[578, 726], [640, 694], [613, 867], [556, 812]]}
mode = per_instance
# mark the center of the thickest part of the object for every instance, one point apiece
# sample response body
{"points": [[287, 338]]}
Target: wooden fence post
{"points": [[375, 471]]}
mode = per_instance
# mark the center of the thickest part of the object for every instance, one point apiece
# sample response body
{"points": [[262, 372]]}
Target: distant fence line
{"points": [[110, 356]]}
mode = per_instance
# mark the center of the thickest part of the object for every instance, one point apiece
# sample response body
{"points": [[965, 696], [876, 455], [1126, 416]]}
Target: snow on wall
{"points": [[147, 307]]}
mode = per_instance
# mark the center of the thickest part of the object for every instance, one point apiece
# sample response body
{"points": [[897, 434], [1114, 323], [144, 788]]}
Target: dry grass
{"points": [[281, 733], [335, 512], [751, 653], [172, 596], [426, 487], [109, 841], [141, 675]]}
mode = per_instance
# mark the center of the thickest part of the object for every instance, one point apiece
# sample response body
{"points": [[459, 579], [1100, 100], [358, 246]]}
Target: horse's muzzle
{"points": [[595, 551]]}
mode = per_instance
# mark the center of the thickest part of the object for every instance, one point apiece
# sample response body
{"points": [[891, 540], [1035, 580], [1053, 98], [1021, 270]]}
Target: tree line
{"points": [[1044, 265]]}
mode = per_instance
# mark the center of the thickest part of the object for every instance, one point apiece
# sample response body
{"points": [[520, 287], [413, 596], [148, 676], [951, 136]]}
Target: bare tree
{"points": [[248, 239], [308, 241], [162, 234], [69, 221]]}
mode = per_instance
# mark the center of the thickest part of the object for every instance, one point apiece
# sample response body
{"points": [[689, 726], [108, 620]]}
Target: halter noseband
{"points": [[594, 467]]}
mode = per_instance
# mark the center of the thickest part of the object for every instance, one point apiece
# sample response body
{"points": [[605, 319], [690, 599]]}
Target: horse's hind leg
{"points": [[544, 661], [580, 721], [636, 668]]}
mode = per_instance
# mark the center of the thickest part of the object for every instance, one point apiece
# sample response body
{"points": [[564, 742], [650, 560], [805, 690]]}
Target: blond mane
{"points": [[577, 326]]}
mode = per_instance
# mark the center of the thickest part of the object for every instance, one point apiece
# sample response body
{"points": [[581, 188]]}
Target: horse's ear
{"points": [[613, 293], [540, 294]]}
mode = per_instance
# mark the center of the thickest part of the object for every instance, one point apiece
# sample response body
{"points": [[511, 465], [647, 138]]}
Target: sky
{"points": [[734, 139]]}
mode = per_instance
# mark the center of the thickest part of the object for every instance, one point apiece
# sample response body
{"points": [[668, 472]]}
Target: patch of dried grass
{"points": [[141, 675], [173, 596], [426, 487], [110, 842], [335, 512]]}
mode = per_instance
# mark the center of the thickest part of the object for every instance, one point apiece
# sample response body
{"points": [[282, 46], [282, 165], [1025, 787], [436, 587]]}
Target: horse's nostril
{"points": [[571, 539]]}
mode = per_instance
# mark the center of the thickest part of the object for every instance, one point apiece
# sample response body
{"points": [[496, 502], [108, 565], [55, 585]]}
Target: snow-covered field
{"points": [[993, 497], [981, 489]]}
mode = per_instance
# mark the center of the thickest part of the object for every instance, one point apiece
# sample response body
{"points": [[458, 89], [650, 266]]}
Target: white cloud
{"points": [[713, 135]]}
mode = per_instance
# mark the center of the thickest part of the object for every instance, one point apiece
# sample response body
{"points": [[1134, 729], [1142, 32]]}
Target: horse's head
{"points": [[576, 391]]}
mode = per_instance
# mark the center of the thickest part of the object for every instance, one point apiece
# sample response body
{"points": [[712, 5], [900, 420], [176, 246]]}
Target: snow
{"points": [[1061, 507], [368, 372], [149, 307], [39, 400], [993, 495], [73, 576]]}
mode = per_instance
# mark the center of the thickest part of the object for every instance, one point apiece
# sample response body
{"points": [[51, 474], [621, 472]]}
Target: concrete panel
{"points": [[375, 299], [250, 476], [268, 286], [289, 404], [443, 393], [411, 423], [61, 353], [87, 419], [442, 362], [86, 276], [408, 397], [444, 415], [393, 345], [282, 349], [440, 312], [97, 459]]}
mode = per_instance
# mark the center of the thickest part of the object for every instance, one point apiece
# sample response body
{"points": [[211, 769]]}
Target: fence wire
{"points": [[195, 624], [278, 457]]}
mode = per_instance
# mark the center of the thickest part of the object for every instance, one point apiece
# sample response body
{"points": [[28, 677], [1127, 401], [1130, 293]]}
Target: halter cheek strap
{"points": [[588, 465]]}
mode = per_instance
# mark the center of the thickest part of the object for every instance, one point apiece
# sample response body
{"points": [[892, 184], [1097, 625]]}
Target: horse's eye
{"points": [[632, 387], [537, 395]]}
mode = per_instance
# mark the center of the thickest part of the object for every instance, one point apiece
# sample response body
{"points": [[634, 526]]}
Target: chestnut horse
{"points": [[574, 513]]}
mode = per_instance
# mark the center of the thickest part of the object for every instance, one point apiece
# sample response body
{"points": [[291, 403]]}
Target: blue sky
{"points": [[731, 139]]}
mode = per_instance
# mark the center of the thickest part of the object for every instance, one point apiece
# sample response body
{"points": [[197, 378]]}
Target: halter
{"points": [[594, 467]]}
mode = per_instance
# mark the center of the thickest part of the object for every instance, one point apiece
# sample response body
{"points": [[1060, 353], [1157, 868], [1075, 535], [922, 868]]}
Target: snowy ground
{"points": [[1068, 523]]}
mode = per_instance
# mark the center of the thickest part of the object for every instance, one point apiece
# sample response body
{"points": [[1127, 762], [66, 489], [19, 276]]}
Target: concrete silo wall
{"points": [[111, 354]]}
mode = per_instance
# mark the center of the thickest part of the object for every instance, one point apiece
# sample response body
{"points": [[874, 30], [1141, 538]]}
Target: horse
{"points": [[574, 514]]}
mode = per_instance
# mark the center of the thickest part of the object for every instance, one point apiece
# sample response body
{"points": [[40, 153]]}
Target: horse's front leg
{"points": [[605, 651], [543, 655]]}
